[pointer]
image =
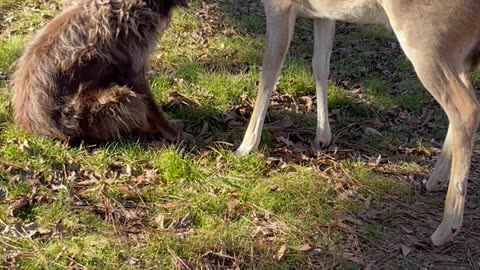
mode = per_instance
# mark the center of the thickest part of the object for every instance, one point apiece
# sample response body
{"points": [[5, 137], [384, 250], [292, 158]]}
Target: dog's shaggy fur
{"points": [[82, 77]]}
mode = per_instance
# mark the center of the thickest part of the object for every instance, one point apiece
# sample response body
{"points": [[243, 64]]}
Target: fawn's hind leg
{"points": [[443, 167], [441, 70], [462, 108], [441, 173]]}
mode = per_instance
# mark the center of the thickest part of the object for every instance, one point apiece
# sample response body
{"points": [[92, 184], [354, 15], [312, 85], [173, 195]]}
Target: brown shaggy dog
{"points": [[82, 77]]}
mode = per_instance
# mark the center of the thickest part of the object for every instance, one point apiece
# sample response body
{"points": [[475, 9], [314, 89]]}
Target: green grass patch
{"points": [[9, 52]]}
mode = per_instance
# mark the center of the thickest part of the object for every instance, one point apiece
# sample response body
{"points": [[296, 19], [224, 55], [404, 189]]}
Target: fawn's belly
{"points": [[353, 11]]}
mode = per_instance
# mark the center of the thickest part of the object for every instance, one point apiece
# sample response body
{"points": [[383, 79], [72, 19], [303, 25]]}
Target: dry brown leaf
{"points": [[20, 202], [183, 223], [59, 228], [30, 229], [315, 252], [285, 141], [151, 175], [303, 248], [18, 230], [354, 221], [281, 252], [405, 250], [280, 125], [308, 103], [372, 131], [160, 220], [44, 232], [406, 230], [73, 166]]}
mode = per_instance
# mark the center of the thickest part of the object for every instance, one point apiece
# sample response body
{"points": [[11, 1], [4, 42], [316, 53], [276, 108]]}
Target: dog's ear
{"points": [[181, 3]]}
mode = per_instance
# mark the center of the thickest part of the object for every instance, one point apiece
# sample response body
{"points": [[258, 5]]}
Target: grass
{"points": [[143, 205]]}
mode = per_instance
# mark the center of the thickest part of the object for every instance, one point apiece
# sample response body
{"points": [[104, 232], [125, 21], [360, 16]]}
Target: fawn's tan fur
{"points": [[440, 38]]}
